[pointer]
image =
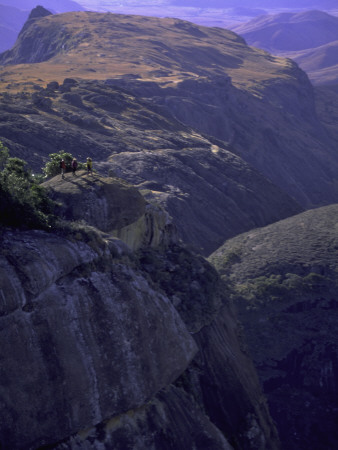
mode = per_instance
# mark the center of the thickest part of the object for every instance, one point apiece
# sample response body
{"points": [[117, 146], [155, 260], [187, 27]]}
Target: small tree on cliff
{"points": [[52, 168], [23, 202]]}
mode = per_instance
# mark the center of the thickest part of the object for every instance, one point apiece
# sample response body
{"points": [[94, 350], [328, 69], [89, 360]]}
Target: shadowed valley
{"points": [[285, 289]]}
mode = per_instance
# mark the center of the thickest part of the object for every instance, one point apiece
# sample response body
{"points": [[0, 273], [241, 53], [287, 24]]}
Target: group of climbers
{"points": [[74, 166]]}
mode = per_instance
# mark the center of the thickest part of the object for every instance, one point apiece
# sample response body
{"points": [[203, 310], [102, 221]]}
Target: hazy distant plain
{"points": [[225, 17], [162, 8]]}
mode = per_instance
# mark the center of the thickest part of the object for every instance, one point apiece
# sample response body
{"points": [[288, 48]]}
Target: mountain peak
{"points": [[312, 14], [36, 13], [39, 11]]}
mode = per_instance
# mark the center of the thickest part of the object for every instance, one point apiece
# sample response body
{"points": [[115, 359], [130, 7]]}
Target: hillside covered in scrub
{"points": [[284, 280]]}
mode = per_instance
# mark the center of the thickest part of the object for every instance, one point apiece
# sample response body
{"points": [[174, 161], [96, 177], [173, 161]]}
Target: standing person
{"points": [[63, 168], [89, 165], [74, 166]]}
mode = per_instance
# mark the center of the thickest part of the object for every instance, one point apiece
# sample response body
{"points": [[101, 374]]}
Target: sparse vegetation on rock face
{"points": [[284, 278], [23, 202]]}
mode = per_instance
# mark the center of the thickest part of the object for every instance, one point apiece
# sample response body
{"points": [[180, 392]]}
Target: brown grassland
{"points": [[100, 46]]}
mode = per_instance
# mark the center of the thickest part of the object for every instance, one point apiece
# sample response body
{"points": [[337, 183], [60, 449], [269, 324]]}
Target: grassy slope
{"points": [[113, 45]]}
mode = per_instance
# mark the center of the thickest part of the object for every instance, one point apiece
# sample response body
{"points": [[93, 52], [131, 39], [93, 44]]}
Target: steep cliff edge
{"points": [[285, 289], [272, 125], [101, 202], [94, 336], [80, 344]]}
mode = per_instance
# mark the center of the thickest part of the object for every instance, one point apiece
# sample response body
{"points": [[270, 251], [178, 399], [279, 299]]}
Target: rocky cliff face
{"points": [[134, 342], [100, 202], [111, 205], [100, 348], [273, 126], [211, 193], [285, 289], [75, 346]]}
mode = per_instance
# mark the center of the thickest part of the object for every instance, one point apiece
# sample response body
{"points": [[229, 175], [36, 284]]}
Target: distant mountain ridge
{"points": [[14, 13], [11, 22], [55, 5], [290, 31], [310, 38], [258, 3]]}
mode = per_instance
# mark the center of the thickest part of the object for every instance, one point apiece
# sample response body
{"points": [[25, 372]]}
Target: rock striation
{"points": [[101, 350], [210, 193], [273, 126], [76, 348]]}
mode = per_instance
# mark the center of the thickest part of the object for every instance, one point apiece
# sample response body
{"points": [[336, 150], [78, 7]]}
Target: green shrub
{"points": [[23, 202], [52, 167], [265, 289], [262, 289]]}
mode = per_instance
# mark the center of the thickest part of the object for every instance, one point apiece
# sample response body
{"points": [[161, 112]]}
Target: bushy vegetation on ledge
{"points": [[24, 203], [52, 167]]}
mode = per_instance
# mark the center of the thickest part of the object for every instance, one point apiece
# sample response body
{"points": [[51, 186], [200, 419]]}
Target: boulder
{"points": [[105, 203]]}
